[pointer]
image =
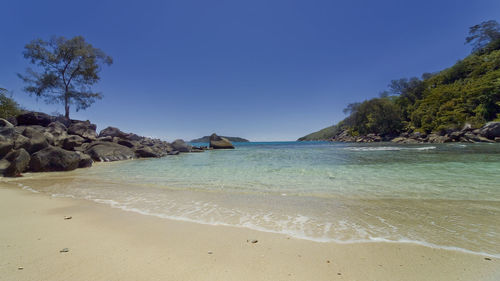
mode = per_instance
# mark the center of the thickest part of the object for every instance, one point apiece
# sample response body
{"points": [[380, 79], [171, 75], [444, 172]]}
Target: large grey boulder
{"points": [[72, 141], [181, 146], [146, 152], [84, 129], [58, 132], [19, 162], [85, 160], [54, 159], [5, 147], [34, 118], [8, 132], [491, 130], [109, 151], [37, 140], [217, 142]]}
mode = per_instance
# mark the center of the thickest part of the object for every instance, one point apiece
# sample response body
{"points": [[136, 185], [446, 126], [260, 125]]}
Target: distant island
{"points": [[207, 139], [457, 104]]}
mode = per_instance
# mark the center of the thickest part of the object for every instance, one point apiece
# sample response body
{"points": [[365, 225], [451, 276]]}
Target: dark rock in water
{"points": [[180, 146], [491, 130], [85, 160], [173, 152], [217, 142], [34, 118], [146, 152], [112, 132], [72, 141], [84, 129], [109, 151], [54, 159], [19, 161], [5, 124], [36, 140], [5, 147]]}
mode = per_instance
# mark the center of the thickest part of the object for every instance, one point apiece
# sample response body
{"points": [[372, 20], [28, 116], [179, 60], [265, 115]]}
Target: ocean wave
{"points": [[387, 148]]}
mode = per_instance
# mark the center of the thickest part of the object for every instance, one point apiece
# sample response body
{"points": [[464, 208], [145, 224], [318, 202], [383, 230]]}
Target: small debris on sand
{"points": [[253, 241], [339, 273], [210, 252], [65, 250], [488, 259], [20, 268], [327, 261], [68, 217]]}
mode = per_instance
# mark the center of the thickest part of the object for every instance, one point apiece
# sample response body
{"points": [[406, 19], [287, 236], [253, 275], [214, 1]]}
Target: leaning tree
{"points": [[66, 71]]}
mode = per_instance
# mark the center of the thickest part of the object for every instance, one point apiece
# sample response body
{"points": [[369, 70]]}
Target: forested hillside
{"points": [[466, 93]]}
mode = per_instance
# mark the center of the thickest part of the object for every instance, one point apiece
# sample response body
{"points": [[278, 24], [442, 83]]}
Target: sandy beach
{"points": [[110, 244]]}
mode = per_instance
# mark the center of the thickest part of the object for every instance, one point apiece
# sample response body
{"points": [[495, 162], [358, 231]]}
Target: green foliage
{"points": [[8, 107], [67, 70], [480, 35], [324, 134], [378, 115]]}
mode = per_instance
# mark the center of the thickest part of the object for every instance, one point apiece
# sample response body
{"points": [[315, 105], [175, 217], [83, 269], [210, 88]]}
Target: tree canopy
{"points": [[67, 70], [480, 35]]}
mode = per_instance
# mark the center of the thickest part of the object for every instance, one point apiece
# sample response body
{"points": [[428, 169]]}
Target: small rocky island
{"points": [[38, 142], [206, 139]]}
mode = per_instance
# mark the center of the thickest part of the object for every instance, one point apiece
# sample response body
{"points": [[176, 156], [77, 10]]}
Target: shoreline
{"points": [[110, 244]]}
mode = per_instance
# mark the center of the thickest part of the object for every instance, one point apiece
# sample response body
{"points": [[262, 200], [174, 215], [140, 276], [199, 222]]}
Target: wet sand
{"points": [[111, 244]]}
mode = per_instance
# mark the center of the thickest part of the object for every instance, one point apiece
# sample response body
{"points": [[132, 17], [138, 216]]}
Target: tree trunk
{"points": [[66, 105]]}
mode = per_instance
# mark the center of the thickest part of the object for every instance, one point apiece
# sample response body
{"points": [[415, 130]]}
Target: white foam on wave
{"points": [[387, 148], [296, 233]]}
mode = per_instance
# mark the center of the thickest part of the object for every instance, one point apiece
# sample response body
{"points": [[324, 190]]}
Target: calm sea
{"points": [[445, 195]]}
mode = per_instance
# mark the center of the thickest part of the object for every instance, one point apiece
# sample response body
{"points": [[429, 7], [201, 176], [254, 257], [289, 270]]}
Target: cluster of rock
{"points": [[38, 142], [488, 133]]}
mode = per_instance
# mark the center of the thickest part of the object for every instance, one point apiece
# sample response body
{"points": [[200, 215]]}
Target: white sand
{"points": [[110, 244]]}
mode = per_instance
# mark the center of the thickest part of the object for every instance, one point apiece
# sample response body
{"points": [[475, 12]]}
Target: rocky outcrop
{"points": [[488, 133], [109, 151], [217, 142], [37, 142], [54, 159], [19, 162]]}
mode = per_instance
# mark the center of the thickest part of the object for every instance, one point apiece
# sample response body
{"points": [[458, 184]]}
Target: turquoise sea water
{"points": [[439, 195]]}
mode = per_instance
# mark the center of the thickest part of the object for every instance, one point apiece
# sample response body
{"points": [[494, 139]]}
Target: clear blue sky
{"points": [[263, 70]]}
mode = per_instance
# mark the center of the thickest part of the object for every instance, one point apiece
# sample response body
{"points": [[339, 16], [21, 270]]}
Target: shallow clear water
{"points": [[445, 195]]}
